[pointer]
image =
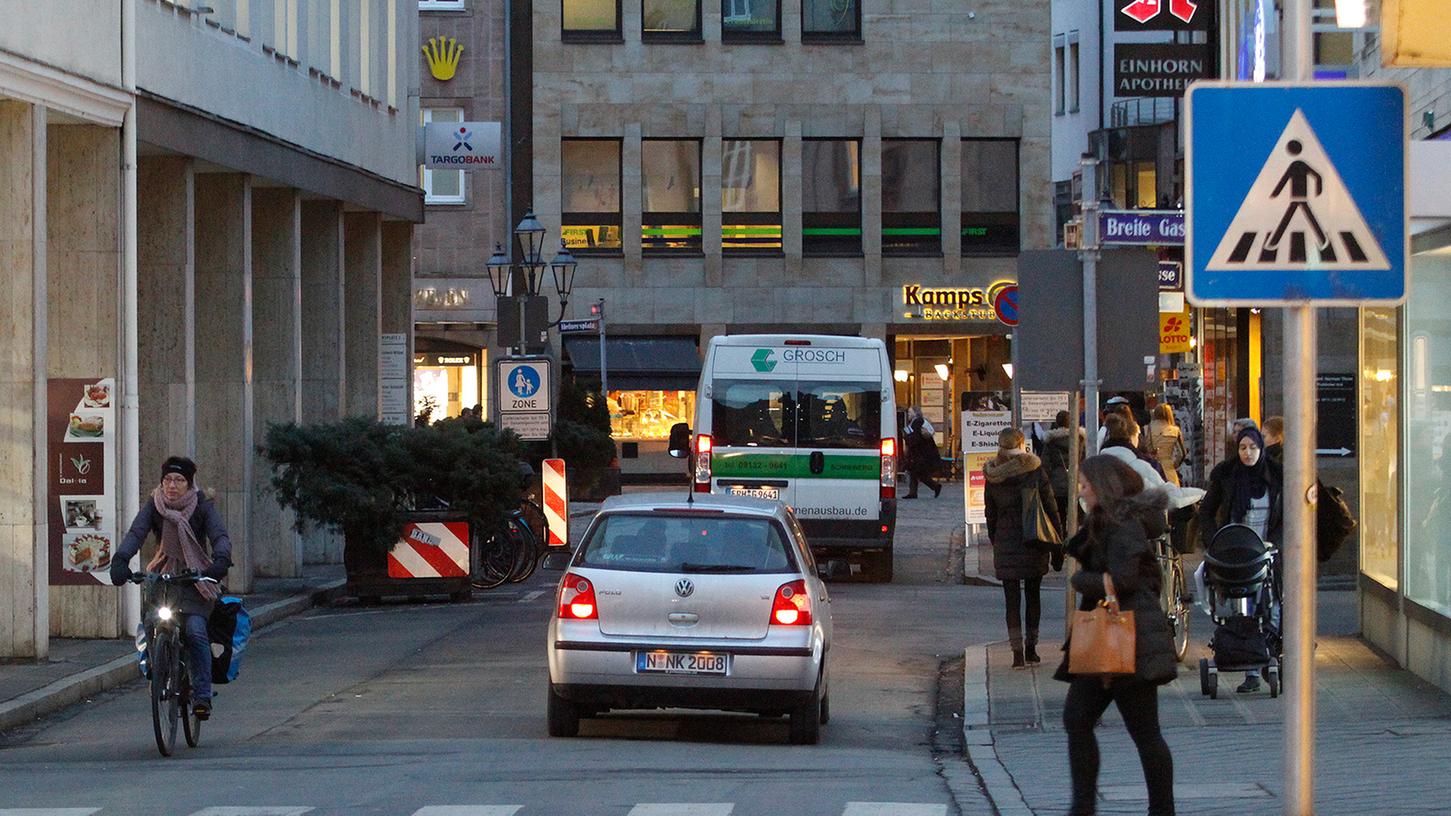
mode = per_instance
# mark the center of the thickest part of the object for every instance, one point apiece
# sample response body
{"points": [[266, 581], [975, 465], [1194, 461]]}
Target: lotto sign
{"points": [[1296, 194], [436, 549], [1173, 332], [556, 502]]}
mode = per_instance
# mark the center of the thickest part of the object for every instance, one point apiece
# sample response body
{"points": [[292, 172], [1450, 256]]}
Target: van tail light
{"points": [[702, 463], [792, 606], [577, 598], [889, 468]]}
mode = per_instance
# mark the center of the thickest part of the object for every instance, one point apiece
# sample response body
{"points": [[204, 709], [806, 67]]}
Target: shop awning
{"points": [[638, 363]]}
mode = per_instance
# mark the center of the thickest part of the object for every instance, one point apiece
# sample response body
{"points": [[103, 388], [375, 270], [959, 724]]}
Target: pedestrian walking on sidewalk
{"points": [[923, 460], [1020, 565], [1166, 442], [1122, 517], [1275, 440], [190, 535], [1056, 459]]}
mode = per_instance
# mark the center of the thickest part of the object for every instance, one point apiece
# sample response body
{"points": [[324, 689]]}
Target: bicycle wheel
{"points": [[526, 553], [191, 726], [1179, 604], [491, 560], [537, 521], [163, 694]]}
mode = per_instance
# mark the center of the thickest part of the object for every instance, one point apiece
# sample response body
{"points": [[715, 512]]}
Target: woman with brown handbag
{"points": [[1114, 553]]}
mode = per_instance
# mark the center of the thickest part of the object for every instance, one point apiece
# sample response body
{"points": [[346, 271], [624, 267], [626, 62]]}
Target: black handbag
{"points": [[1039, 531], [1333, 520]]}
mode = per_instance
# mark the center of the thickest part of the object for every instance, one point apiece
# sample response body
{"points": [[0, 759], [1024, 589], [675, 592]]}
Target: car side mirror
{"points": [[833, 569], [680, 440], [557, 560]]}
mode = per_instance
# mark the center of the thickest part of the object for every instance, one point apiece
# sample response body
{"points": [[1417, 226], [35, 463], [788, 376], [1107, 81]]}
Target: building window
{"points": [[831, 197], [1379, 449], [1059, 73], [597, 20], [667, 20], [648, 415], [825, 20], [442, 186], [590, 195], [990, 197], [1426, 399], [911, 197], [750, 196], [670, 178], [750, 20], [1072, 72], [440, 5]]}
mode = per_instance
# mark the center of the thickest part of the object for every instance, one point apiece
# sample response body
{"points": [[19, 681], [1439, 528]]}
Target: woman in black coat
{"points": [[1018, 565], [1122, 518]]}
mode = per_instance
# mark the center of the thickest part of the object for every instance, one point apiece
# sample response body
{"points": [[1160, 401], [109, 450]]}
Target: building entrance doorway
{"points": [[941, 374]]}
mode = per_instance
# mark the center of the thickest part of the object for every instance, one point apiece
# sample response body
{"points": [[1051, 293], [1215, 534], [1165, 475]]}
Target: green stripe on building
{"points": [[745, 465], [911, 231], [768, 231], [831, 231], [669, 232]]}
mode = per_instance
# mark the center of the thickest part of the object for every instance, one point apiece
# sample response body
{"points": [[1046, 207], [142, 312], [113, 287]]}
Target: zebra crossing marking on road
{"points": [[47, 811], [531, 596], [1298, 196], [642, 809], [468, 810], [261, 810], [683, 809], [892, 809]]}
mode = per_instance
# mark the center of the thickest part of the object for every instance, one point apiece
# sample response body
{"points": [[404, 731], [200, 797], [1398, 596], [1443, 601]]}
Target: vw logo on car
{"points": [[684, 587]]}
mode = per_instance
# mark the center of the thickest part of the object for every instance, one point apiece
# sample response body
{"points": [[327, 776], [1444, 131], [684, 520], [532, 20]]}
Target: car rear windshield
{"points": [[661, 542], [766, 413]]}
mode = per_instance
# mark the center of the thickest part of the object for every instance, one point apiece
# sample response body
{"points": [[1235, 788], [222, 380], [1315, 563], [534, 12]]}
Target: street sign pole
{"points": [[1088, 254], [1299, 516], [604, 368]]}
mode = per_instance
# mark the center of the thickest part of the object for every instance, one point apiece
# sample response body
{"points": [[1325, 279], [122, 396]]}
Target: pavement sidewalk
{"points": [[78, 669]]}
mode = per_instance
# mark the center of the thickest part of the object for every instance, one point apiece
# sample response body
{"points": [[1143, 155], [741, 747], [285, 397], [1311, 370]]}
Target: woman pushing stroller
{"points": [[1244, 489]]}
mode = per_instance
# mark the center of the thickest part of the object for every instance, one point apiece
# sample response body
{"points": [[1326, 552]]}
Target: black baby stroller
{"points": [[1242, 594]]}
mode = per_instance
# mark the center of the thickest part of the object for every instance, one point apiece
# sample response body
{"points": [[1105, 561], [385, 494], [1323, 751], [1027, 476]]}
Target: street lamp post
{"points": [[527, 275]]}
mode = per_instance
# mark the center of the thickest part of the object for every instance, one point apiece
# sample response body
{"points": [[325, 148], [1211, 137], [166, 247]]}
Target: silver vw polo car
{"points": [[710, 603]]}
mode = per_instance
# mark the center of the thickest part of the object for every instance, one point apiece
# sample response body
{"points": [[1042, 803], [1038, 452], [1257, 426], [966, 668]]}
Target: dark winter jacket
{"points": [[1214, 510], [1122, 550], [1056, 457], [1007, 479], [922, 455], [206, 522]]}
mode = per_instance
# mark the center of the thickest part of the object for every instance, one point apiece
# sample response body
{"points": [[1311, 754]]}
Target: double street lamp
{"points": [[503, 272]]}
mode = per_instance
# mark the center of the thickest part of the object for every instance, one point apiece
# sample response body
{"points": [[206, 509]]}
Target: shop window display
{"points": [[1427, 435], [649, 415], [1379, 447]]}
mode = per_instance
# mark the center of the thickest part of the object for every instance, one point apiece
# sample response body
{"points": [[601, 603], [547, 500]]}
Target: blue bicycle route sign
{"points": [[1295, 193]]}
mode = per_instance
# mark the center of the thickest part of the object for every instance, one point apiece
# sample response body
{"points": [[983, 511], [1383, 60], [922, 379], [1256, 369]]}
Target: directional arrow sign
{"points": [[1332, 451]]}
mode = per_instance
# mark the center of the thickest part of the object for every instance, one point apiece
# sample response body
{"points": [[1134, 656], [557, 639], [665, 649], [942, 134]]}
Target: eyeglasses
{"points": [[173, 479]]}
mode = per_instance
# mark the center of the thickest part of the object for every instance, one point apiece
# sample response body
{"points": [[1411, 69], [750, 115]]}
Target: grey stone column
{"points": [[24, 615], [166, 311], [950, 168], [277, 361], [632, 201], [363, 276], [83, 271], [397, 295], [323, 346], [224, 366], [711, 216], [872, 197], [791, 241]]}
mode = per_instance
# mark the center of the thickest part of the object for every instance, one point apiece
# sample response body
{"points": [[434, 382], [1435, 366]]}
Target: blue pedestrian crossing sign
{"points": [[1295, 194]]}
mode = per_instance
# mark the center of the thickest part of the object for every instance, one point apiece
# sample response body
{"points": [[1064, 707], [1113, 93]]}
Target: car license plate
{"points": [[681, 662], [769, 493]]}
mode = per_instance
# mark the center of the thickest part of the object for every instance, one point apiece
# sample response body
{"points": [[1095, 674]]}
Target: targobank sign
{"points": [[462, 145]]}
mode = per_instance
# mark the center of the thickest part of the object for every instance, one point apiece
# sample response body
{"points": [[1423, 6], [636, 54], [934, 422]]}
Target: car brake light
{"points": [[792, 606], [798, 342], [577, 598], [702, 463], [889, 468]]}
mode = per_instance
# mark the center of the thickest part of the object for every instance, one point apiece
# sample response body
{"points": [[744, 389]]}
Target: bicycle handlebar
{"points": [[184, 577]]}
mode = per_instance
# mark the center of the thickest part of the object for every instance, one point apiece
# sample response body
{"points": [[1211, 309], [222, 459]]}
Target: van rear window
{"points": [[660, 542], [764, 413]]}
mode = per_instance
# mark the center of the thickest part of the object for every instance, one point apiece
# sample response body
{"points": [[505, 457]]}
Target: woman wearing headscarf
{"points": [[190, 536], [1018, 565], [1122, 517], [1245, 489]]}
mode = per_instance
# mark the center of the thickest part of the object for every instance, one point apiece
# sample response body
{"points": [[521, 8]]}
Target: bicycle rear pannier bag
{"points": [[229, 628]]}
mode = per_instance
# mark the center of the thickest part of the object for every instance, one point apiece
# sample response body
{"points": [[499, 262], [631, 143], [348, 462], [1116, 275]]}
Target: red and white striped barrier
{"points": [[435, 549], [556, 502]]}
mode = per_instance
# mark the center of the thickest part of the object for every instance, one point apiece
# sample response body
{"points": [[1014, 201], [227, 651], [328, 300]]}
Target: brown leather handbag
{"points": [[1102, 640]]}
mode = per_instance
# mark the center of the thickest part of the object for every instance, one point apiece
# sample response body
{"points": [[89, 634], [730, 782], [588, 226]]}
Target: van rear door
{"points": [[752, 393], [838, 435]]}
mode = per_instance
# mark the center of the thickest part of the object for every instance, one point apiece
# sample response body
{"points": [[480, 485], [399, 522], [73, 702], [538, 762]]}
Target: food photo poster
{"points": [[81, 436]]}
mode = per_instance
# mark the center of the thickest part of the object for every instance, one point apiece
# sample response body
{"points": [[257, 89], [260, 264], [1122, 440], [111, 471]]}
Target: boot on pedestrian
{"points": [[1030, 651], [1018, 660]]}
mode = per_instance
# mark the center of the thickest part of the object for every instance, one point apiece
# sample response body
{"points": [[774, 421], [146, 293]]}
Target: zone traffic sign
{"points": [[1296, 193]]}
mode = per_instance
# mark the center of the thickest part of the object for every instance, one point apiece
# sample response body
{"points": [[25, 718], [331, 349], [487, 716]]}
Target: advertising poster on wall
{"points": [[980, 431], [81, 433]]}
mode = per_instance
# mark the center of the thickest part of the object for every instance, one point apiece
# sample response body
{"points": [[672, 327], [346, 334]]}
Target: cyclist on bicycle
{"points": [[192, 537]]}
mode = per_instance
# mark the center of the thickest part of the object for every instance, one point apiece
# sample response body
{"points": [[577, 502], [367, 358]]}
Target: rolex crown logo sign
{"points": [[443, 54]]}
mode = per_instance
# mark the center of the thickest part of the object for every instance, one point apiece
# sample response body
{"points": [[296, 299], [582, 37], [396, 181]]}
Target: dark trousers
{"points": [[198, 656], [923, 475], [1138, 703], [1014, 595]]}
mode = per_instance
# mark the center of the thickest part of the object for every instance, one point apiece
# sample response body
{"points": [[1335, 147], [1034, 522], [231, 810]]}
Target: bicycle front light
{"points": [[163, 613]]}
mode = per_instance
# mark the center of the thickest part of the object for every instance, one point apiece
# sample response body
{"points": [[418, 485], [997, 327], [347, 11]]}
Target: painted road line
{"points": [[531, 596], [47, 811], [468, 810], [683, 809], [893, 809], [262, 810]]}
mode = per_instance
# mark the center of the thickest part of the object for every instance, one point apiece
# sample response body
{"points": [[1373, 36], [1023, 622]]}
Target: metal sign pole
{"points": [[1089, 256], [1298, 548], [604, 377]]}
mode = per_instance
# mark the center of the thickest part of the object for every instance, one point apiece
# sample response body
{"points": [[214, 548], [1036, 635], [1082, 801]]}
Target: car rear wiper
{"points": [[716, 568]]}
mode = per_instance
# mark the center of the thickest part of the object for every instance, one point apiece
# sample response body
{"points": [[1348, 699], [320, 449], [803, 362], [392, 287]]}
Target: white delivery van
{"points": [[811, 421]]}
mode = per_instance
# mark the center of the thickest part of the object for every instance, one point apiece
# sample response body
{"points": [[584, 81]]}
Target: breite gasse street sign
{"points": [[1296, 194]]}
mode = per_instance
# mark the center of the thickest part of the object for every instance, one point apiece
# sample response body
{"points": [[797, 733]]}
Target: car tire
{"points": [[806, 720], [825, 705], [563, 716]]}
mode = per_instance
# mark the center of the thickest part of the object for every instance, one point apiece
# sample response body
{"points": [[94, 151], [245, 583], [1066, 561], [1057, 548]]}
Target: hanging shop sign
{"points": [[462, 145], [1158, 69], [998, 302], [443, 55], [1141, 227], [81, 438], [1173, 332], [1162, 15]]}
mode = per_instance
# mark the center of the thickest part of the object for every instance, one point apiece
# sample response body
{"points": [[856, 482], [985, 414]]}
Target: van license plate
{"points": [[768, 493], [680, 662]]}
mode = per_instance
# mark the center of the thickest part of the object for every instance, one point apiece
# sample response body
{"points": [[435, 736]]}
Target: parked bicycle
{"points": [[1174, 597], [511, 552], [165, 655]]}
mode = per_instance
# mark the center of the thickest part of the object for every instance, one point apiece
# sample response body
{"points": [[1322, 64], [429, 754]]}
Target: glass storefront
{"points": [[648, 415], [445, 383], [1379, 446], [1427, 350]]}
